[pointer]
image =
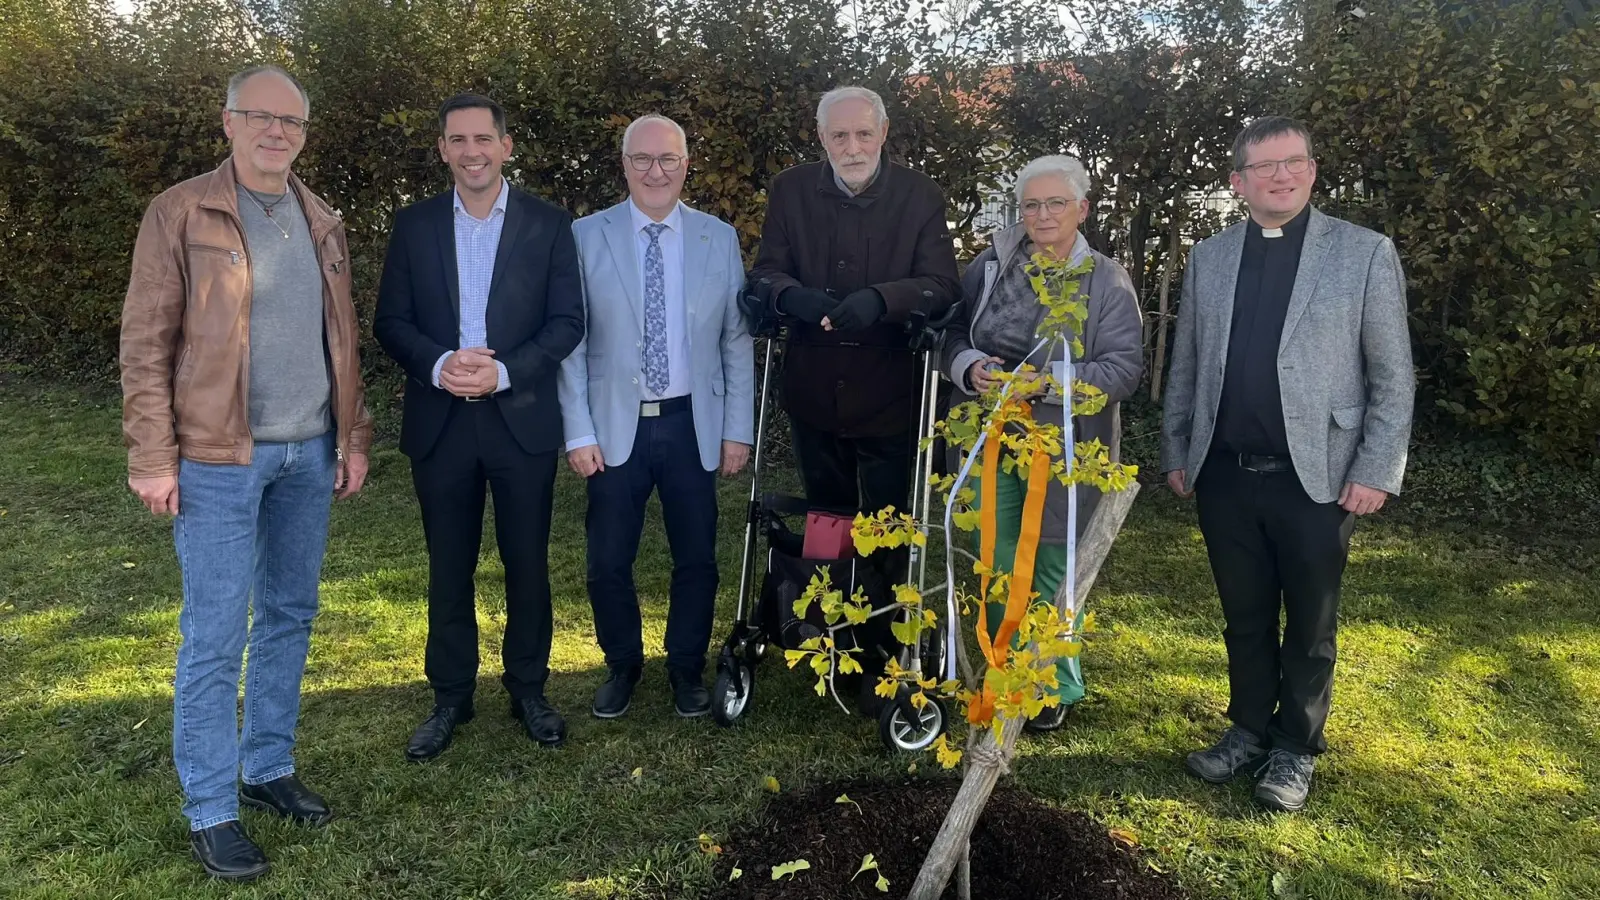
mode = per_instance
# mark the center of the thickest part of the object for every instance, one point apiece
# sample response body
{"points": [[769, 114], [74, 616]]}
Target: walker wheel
{"points": [[904, 728], [730, 696]]}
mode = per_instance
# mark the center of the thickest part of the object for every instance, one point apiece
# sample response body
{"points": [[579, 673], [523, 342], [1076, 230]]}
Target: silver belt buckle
{"points": [[478, 399], [649, 410]]}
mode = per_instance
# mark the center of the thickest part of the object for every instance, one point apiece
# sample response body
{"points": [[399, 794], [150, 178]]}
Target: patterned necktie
{"points": [[656, 376]]}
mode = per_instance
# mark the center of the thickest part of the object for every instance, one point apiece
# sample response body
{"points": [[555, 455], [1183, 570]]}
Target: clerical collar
{"points": [[1294, 226]]}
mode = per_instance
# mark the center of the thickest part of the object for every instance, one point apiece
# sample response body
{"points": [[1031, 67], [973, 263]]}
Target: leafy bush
{"points": [[1467, 132]]}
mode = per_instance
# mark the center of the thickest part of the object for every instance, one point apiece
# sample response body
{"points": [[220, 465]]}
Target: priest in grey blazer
{"points": [[1288, 412], [658, 397]]}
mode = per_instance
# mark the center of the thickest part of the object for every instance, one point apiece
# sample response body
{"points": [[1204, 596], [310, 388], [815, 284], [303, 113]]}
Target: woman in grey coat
{"points": [[999, 328]]}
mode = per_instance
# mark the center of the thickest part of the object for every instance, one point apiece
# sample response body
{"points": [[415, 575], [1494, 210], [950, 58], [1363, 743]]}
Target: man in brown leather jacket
{"points": [[243, 417]]}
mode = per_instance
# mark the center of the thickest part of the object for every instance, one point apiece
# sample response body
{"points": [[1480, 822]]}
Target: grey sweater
{"points": [[1113, 348], [288, 353]]}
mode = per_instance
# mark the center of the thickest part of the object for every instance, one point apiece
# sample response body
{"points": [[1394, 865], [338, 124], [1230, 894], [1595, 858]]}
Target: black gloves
{"points": [[806, 304], [857, 311]]}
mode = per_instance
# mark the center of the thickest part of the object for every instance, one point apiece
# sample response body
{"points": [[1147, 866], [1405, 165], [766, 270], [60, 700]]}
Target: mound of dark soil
{"points": [[1022, 849]]}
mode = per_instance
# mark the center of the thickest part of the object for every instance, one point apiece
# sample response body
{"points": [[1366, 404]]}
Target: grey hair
{"points": [[850, 93], [1265, 129], [627, 135], [1067, 167], [236, 83]]}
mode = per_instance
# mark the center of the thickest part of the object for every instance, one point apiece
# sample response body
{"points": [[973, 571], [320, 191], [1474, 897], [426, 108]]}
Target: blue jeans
{"points": [[245, 533]]}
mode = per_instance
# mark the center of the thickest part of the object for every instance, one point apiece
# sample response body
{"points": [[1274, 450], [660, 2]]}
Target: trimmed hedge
{"points": [[1471, 139]]}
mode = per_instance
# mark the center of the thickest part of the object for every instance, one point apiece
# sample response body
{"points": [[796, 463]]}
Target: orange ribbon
{"points": [[997, 649]]}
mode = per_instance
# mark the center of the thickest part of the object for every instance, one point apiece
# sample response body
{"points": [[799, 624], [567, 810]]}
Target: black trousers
{"points": [[1273, 548], [865, 473], [476, 450], [665, 459]]}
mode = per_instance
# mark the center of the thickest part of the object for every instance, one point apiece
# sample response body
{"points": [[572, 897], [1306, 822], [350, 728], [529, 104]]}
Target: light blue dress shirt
{"points": [[477, 241]]}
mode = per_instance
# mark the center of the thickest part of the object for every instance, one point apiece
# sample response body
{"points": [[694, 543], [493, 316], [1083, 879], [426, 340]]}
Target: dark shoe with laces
{"points": [[616, 695], [543, 725], [1287, 781], [434, 734], [226, 852], [1051, 718], [1236, 751], [689, 695], [288, 798]]}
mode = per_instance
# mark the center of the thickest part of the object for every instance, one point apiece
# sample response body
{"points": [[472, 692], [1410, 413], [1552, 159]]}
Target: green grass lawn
{"points": [[1466, 727]]}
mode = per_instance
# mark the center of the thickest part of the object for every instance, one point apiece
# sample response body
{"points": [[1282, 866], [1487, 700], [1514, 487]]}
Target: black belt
{"points": [[653, 408], [1252, 462]]}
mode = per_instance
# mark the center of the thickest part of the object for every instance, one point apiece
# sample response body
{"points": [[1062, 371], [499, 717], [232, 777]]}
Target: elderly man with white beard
{"points": [[853, 245]]}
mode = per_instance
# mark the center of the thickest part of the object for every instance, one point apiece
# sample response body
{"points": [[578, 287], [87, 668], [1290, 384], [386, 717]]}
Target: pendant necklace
{"points": [[267, 210]]}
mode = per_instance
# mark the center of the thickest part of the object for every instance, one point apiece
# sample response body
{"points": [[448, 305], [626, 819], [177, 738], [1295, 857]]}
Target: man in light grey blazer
{"points": [[1288, 412], [658, 397]]}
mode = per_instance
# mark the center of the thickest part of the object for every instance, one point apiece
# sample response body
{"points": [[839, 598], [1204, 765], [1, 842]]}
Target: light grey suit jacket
{"points": [[1344, 361], [602, 383]]}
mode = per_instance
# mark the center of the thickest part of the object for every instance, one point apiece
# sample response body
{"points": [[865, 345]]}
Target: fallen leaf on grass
{"points": [[1125, 837], [771, 784], [845, 798], [129, 564], [709, 845]]}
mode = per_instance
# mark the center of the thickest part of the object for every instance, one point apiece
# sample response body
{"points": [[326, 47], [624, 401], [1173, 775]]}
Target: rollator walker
{"points": [[765, 616]]}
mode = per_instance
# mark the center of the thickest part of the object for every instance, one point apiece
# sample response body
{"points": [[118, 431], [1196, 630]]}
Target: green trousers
{"points": [[1049, 567]]}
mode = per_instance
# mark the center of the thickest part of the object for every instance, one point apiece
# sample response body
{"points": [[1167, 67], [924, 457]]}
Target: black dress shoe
{"points": [[540, 720], [1051, 718], [433, 735], [689, 696], [614, 697], [227, 852], [289, 798]]}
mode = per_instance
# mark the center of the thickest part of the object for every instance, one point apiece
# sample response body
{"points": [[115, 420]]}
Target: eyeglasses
{"points": [[1055, 206], [261, 121], [1294, 165], [642, 162]]}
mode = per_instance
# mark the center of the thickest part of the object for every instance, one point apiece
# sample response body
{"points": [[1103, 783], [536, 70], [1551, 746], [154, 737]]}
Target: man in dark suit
{"points": [[480, 301]]}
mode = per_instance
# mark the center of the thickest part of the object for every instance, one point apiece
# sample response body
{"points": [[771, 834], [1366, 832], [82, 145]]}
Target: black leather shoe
{"points": [[433, 735], [614, 697], [689, 696], [227, 852], [289, 798], [1051, 718], [540, 720]]}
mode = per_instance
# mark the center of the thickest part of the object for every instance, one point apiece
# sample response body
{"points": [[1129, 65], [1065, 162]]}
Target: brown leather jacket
{"points": [[186, 329]]}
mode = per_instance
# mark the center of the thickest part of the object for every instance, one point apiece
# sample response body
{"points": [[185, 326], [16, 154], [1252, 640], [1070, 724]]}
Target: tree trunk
{"points": [[976, 786], [987, 760], [1158, 360], [964, 874], [1138, 229]]}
